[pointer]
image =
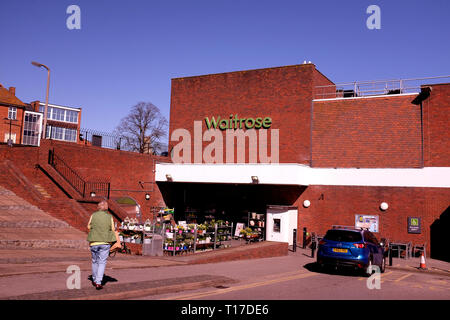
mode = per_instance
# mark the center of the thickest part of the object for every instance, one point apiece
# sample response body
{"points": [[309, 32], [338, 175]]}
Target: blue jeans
{"points": [[100, 254]]}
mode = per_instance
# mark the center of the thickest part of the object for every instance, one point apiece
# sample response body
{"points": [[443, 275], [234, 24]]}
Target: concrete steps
{"points": [[23, 225], [42, 191]]}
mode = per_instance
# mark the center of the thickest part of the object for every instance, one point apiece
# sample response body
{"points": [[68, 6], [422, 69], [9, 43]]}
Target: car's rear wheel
{"points": [[383, 265]]}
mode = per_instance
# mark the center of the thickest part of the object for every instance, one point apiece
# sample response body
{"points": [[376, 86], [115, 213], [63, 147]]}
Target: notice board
{"points": [[414, 225], [370, 222]]}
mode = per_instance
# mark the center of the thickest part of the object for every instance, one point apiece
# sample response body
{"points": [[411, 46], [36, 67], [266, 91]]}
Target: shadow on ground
{"points": [[105, 280], [342, 271]]}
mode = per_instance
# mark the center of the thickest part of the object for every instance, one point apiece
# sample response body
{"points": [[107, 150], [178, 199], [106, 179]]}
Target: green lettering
{"points": [[249, 126], [267, 122], [258, 123], [240, 122], [213, 122], [221, 124]]}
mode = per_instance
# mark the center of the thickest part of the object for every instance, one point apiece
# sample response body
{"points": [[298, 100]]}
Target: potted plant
{"points": [[201, 228], [125, 223], [168, 244], [131, 225], [147, 225]]}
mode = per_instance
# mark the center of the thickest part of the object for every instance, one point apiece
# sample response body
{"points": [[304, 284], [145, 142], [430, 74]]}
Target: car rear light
{"points": [[322, 242], [359, 245]]}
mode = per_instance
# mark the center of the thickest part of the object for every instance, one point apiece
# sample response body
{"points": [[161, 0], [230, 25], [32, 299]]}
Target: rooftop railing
{"points": [[376, 87]]}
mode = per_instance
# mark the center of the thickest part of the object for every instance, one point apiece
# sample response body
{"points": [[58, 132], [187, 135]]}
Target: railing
{"points": [[375, 88], [110, 140], [83, 187], [101, 139]]}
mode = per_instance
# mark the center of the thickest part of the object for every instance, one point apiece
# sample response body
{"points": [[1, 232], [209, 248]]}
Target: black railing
{"points": [[101, 139], [84, 188], [110, 140]]}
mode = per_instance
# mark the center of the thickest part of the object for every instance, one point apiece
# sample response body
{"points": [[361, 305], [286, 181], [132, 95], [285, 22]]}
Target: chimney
{"points": [[35, 106], [12, 90]]}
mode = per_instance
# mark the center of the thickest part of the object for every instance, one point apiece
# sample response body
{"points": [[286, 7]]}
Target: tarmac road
{"points": [[307, 285], [291, 277]]}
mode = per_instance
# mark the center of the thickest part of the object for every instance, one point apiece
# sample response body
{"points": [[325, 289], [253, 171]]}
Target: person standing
{"points": [[101, 235]]}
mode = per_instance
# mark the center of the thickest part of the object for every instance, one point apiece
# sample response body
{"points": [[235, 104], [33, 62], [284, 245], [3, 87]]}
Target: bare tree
{"points": [[142, 129]]}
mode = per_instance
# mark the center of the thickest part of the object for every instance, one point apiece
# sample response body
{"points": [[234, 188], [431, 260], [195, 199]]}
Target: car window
{"points": [[343, 235], [368, 236], [374, 238]]}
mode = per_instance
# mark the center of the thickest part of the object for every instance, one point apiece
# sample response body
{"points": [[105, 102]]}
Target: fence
{"points": [[101, 139], [374, 88], [114, 141]]}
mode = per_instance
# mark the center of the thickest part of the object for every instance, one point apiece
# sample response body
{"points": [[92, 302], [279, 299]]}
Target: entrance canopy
{"points": [[296, 174], [228, 196]]}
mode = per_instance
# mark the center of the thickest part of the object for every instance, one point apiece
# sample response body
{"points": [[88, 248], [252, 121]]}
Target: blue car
{"points": [[353, 247]]}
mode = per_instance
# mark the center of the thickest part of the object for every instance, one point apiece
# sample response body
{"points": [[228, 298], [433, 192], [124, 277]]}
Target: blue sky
{"points": [[127, 51]]}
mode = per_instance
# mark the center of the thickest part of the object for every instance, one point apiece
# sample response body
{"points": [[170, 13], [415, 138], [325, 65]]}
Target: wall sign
{"points": [[414, 225], [366, 222], [238, 123]]}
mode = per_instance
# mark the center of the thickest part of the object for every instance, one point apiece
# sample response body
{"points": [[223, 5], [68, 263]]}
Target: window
{"points": [[59, 133], [60, 114], [343, 235], [13, 137], [369, 237], [12, 113], [71, 116], [70, 135], [276, 225]]}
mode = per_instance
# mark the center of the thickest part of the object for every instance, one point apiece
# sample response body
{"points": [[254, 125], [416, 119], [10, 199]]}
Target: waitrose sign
{"points": [[234, 122]]}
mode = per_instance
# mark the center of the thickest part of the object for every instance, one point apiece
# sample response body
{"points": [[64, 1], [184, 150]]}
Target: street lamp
{"points": [[37, 64]]}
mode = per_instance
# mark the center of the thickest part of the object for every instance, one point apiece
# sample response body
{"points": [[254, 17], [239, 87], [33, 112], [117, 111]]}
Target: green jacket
{"points": [[101, 228]]}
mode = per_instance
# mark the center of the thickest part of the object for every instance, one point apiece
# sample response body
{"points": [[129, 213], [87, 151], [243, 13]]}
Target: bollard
{"points": [[390, 256], [294, 242], [313, 244], [304, 238]]}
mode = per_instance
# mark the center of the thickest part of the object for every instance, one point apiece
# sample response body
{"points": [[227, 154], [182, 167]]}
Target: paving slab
{"points": [[130, 290]]}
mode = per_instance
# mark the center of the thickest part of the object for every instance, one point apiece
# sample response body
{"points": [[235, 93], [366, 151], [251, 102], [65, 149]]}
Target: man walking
{"points": [[101, 235]]}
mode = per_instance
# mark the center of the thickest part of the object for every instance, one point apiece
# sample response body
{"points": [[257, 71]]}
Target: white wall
{"points": [[295, 174]]}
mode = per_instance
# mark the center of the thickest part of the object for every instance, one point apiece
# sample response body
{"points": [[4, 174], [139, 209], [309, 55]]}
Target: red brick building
{"points": [[311, 154], [12, 114], [345, 151], [22, 122]]}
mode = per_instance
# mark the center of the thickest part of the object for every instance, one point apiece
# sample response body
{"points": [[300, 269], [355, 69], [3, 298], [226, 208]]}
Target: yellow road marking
{"points": [[382, 276], [241, 287], [403, 277]]}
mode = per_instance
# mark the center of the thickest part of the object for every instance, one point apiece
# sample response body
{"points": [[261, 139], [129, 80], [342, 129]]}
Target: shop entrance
{"points": [[281, 222], [243, 204]]}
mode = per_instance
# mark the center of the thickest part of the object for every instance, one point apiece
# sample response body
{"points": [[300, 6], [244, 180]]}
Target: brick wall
{"points": [[16, 126], [337, 205], [378, 132], [123, 169], [436, 119], [283, 93]]}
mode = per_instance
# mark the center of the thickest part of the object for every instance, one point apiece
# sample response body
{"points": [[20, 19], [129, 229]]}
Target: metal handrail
{"points": [[75, 180], [371, 88]]}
